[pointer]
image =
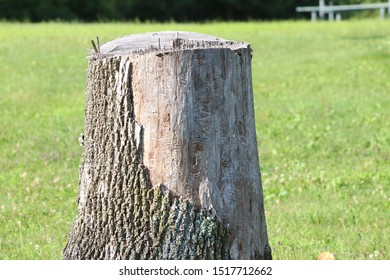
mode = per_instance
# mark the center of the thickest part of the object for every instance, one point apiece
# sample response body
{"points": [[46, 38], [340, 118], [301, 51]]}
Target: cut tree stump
{"points": [[170, 164]]}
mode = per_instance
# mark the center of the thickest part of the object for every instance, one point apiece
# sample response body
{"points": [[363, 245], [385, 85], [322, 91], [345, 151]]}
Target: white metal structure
{"points": [[330, 9]]}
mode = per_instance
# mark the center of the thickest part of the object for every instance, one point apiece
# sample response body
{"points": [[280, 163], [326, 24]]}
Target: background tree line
{"points": [[157, 10]]}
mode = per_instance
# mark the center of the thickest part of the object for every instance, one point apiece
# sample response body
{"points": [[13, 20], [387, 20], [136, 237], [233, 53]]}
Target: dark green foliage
{"points": [[158, 10], [42, 10]]}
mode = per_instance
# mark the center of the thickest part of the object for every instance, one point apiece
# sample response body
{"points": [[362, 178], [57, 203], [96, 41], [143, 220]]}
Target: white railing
{"points": [[330, 9]]}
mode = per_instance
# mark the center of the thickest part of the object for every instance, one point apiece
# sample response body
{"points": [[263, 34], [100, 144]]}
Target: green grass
{"points": [[322, 101]]}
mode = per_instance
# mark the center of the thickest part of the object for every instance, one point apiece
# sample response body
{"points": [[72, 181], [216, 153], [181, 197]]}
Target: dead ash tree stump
{"points": [[170, 163]]}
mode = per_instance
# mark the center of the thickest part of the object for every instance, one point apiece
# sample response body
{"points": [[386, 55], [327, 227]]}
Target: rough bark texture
{"points": [[170, 165]]}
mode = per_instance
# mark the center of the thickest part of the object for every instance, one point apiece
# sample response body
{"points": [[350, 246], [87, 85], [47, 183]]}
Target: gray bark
{"points": [[170, 164]]}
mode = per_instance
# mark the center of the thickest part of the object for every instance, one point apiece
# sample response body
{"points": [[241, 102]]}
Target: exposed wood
{"points": [[170, 164]]}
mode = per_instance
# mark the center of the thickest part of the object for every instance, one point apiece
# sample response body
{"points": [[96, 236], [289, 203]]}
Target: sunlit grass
{"points": [[322, 117]]}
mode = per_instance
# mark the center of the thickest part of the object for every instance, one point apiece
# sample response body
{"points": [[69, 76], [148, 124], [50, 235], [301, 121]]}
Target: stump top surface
{"points": [[166, 41]]}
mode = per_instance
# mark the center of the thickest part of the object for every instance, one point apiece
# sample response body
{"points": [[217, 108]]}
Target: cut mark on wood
{"points": [[164, 42]]}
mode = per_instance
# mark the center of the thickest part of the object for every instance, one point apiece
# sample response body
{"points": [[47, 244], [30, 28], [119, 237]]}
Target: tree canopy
{"points": [[156, 10]]}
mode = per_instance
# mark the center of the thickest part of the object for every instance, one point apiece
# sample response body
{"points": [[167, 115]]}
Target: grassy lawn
{"points": [[322, 101]]}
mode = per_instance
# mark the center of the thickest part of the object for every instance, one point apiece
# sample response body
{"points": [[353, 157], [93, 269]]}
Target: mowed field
{"points": [[322, 104]]}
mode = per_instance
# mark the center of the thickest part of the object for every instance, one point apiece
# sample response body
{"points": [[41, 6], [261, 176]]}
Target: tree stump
{"points": [[170, 163]]}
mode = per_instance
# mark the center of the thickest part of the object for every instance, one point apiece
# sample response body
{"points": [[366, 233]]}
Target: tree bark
{"points": [[170, 164]]}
